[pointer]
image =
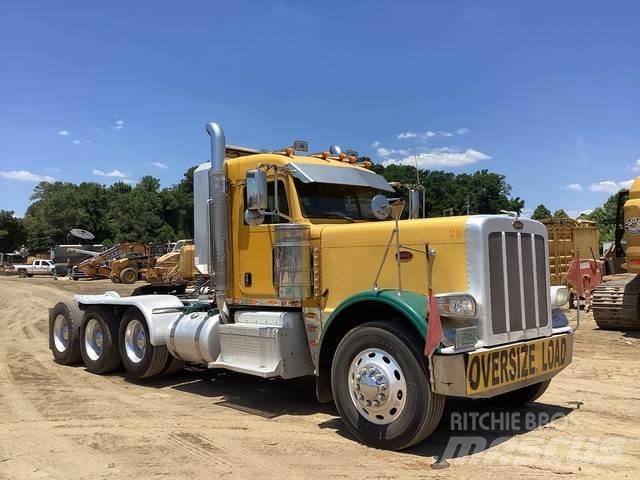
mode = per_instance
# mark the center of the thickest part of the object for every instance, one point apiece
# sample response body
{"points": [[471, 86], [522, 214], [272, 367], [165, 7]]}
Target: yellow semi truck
{"points": [[313, 274]]}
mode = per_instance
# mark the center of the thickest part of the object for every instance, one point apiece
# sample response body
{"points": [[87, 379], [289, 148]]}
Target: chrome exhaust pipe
{"points": [[219, 215]]}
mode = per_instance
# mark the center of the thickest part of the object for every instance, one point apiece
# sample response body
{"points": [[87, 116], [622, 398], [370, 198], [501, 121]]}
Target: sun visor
{"points": [[310, 173]]}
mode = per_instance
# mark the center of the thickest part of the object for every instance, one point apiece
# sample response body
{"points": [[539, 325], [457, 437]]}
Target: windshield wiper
{"points": [[337, 215]]}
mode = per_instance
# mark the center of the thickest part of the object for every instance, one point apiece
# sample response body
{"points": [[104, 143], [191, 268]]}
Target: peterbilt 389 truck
{"points": [[313, 274]]}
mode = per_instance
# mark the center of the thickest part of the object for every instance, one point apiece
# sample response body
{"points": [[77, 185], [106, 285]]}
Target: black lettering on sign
{"points": [[494, 368], [513, 366], [522, 358], [485, 362], [474, 373], [563, 350], [504, 358], [532, 359]]}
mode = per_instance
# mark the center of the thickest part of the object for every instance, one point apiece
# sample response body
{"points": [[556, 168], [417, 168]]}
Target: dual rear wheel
{"points": [[104, 342]]}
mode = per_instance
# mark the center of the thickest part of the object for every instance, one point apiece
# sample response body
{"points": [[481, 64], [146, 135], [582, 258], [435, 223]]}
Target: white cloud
{"points": [[26, 176], [610, 186], [159, 164], [440, 158], [430, 133], [112, 173], [375, 144], [64, 133], [636, 166], [383, 152], [118, 125], [386, 152], [404, 135], [77, 142], [575, 187]]}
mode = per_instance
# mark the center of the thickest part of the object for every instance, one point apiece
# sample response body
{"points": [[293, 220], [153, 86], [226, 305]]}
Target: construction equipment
{"points": [[566, 237], [121, 263], [616, 303], [313, 273]]}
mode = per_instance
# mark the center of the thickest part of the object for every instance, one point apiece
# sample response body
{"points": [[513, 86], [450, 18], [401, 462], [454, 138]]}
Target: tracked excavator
{"points": [[616, 303]]}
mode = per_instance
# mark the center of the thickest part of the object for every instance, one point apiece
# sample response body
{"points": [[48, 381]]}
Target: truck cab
{"points": [[312, 272]]}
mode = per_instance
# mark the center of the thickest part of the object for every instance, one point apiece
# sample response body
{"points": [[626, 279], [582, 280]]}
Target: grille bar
{"points": [[518, 282]]}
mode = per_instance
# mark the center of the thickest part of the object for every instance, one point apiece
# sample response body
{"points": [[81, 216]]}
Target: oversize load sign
{"points": [[496, 368]]}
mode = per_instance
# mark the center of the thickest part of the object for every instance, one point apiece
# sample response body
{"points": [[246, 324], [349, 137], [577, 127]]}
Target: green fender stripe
{"points": [[412, 305]]}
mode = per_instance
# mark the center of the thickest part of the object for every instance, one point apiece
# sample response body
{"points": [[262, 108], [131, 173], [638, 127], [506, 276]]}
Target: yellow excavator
{"points": [[616, 303]]}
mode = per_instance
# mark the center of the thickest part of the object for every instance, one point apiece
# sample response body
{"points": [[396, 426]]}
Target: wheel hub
{"points": [[60, 333], [378, 386], [93, 339], [135, 341]]}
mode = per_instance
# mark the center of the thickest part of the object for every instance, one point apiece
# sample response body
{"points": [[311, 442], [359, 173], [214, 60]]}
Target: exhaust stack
{"points": [[218, 214]]}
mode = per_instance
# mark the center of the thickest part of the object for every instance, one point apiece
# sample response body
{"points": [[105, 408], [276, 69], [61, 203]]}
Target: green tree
{"points": [[12, 232], [605, 218], [477, 193], [560, 213], [541, 212]]}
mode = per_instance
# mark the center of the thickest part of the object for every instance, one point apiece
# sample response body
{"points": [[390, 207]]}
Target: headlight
{"points": [[459, 305], [559, 296]]}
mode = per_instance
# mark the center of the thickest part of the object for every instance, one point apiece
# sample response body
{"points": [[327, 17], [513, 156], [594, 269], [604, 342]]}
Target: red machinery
{"points": [[583, 276]]}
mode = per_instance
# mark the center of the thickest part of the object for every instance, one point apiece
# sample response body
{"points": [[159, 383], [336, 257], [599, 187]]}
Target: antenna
{"points": [[83, 234]]}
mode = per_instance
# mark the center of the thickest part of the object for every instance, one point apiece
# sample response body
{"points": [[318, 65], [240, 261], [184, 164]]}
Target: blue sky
{"points": [[546, 92]]}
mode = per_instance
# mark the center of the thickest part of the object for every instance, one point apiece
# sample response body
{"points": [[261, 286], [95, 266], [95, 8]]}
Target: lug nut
{"points": [[383, 387], [379, 376], [372, 370], [381, 397], [376, 403], [361, 397], [358, 377], [368, 403]]}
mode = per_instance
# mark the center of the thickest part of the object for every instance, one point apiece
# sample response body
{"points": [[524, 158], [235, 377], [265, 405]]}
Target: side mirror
{"points": [[380, 207], [257, 191]]}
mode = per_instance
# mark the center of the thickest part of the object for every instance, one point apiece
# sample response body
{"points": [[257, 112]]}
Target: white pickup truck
{"points": [[38, 267]]}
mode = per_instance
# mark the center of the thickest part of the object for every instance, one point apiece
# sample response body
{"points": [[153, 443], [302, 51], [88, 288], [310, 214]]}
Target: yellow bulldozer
{"points": [[616, 303]]}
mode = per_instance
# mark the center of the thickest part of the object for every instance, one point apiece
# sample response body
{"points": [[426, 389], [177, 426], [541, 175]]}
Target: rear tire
{"points": [[522, 396], [99, 340], [22, 273], [173, 365], [139, 357], [64, 332], [381, 386], [128, 276]]}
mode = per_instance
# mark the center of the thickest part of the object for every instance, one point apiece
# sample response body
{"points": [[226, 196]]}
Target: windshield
{"points": [[329, 200]]}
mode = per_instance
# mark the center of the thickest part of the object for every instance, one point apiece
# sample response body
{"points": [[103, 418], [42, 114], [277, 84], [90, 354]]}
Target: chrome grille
{"points": [[518, 282]]}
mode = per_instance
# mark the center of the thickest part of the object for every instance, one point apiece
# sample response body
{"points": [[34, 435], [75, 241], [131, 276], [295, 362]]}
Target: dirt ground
{"points": [[63, 422]]}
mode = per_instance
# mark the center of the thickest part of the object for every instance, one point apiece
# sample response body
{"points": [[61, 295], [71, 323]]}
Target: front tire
{"points": [[140, 358], [64, 332], [129, 276], [99, 340], [381, 387], [22, 273]]}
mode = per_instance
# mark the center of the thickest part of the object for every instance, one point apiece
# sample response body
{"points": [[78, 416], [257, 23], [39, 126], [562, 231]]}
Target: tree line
{"points": [[603, 216], [147, 213]]}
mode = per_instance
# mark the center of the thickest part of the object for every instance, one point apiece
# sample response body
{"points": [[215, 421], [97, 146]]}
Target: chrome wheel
{"points": [[60, 333], [135, 341], [377, 385], [93, 339]]}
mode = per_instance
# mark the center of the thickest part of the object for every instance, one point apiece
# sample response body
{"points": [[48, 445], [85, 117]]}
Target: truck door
{"points": [[254, 247]]}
